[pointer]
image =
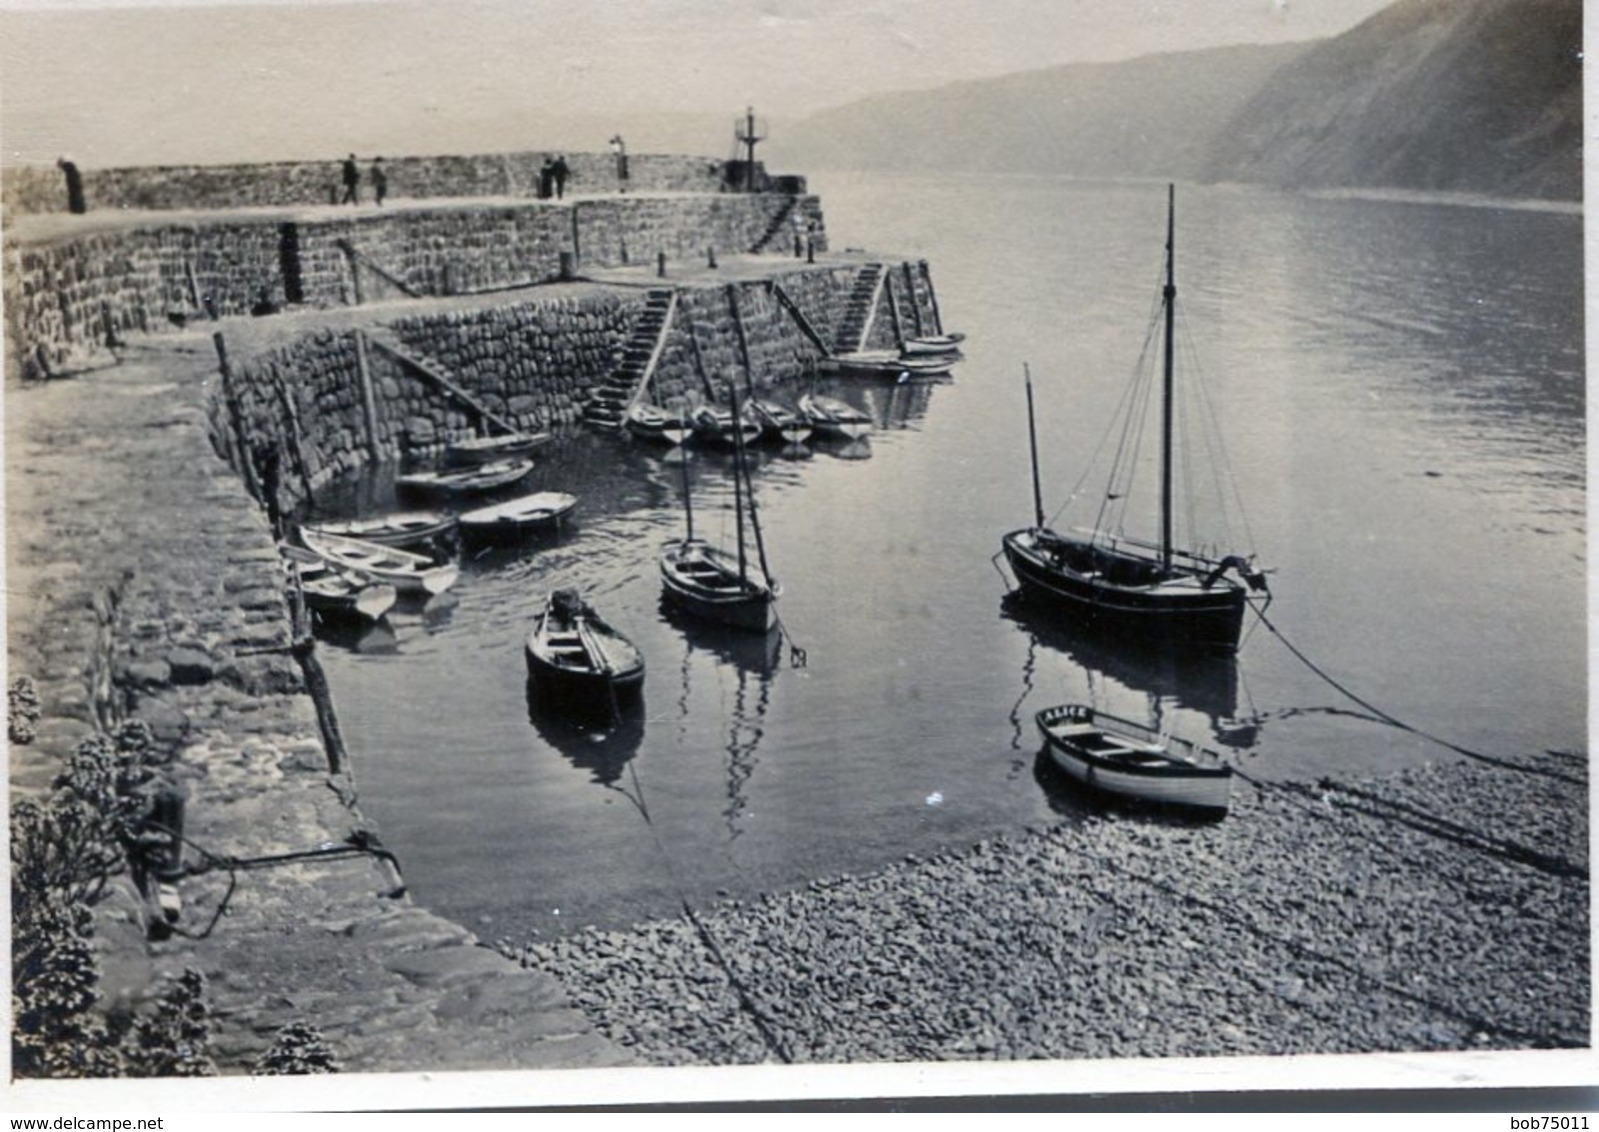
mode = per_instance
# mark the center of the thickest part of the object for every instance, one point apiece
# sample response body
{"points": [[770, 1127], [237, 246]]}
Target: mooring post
{"points": [[369, 402], [235, 417], [355, 270], [932, 297], [910, 289], [660, 264], [710, 257]]}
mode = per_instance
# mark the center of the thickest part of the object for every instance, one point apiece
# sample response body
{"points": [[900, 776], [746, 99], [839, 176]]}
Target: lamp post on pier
{"points": [[746, 135]]}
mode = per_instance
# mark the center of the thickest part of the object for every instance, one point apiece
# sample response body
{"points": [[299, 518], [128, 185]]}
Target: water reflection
{"points": [[369, 638], [1208, 685], [752, 659], [601, 747]]}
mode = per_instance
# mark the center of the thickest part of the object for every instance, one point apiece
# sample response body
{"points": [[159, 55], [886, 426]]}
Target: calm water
{"points": [[1401, 390]]}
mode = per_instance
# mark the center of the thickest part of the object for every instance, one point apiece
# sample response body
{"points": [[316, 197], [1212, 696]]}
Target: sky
{"points": [[120, 83]]}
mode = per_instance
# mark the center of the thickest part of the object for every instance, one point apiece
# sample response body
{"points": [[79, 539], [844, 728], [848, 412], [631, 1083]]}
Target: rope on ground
{"points": [[1393, 721], [746, 1000]]}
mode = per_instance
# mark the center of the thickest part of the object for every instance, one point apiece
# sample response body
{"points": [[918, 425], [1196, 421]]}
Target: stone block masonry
{"points": [[77, 287], [34, 190]]}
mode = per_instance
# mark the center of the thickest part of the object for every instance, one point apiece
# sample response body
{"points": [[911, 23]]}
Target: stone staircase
{"points": [[858, 310], [779, 225], [608, 405]]}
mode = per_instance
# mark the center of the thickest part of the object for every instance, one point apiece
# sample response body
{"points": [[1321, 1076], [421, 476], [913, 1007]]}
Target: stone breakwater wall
{"points": [[70, 294], [34, 190], [294, 416], [143, 583]]}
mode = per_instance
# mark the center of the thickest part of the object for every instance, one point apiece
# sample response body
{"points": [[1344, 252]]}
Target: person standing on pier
{"points": [[379, 179], [75, 201], [619, 148], [560, 170], [352, 181], [546, 179]]}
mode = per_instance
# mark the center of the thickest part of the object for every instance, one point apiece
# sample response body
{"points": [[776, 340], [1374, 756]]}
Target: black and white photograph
{"points": [[796, 553]]}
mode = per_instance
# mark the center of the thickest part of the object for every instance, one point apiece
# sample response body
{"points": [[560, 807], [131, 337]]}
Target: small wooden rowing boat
{"points": [[1129, 760], [408, 573], [933, 345], [780, 423], [404, 528], [835, 418], [715, 424], [579, 663], [467, 481], [651, 422], [478, 450], [333, 592], [885, 364], [529, 512]]}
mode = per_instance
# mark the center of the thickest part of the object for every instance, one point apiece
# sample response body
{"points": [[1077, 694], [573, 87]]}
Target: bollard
{"points": [[567, 260], [660, 264], [710, 257], [810, 251]]}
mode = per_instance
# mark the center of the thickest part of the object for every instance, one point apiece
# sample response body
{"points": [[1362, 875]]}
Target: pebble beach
{"points": [[1444, 907]]}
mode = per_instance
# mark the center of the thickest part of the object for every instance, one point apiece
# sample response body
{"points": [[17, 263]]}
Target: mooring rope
{"points": [[1393, 721], [746, 1000]]}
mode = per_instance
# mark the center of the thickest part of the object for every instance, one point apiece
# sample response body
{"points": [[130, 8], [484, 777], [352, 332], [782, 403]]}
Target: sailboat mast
{"points": [[688, 505], [1170, 297], [1032, 440], [738, 485]]}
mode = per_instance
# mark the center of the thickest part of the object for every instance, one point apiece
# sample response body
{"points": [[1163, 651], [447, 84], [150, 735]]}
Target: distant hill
{"points": [[1459, 95], [1479, 96], [1155, 116]]}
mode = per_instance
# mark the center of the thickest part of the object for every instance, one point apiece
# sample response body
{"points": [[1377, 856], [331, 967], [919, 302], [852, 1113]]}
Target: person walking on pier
{"points": [[352, 182], [75, 201], [619, 149], [546, 179], [559, 171], [379, 179]]}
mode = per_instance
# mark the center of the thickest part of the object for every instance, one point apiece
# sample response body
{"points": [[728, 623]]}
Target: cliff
{"points": [[1457, 95]]}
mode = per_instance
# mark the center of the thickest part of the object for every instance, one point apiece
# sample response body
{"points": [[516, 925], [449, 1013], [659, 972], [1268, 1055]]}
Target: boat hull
{"points": [[539, 511], [649, 422], [1187, 616], [834, 418], [467, 481], [1117, 757], [408, 573], [492, 449], [567, 679], [704, 582], [887, 364], [404, 529]]}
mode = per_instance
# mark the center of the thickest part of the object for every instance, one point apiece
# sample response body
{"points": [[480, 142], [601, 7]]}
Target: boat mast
{"points": [[1032, 440], [738, 487], [1170, 297], [688, 506]]}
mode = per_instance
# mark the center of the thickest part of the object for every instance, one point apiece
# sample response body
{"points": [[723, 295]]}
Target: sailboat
{"points": [[712, 583], [1099, 577]]}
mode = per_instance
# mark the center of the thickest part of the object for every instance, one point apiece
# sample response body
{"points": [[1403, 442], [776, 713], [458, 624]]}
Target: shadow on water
{"points": [[1205, 684], [368, 638], [600, 743]]}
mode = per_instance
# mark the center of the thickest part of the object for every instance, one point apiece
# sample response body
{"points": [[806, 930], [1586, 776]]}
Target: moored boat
{"points": [[529, 512], [833, 417], [403, 528], [408, 573], [933, 345], [1128, 760], [337, 593], [1148, 587], [651, 422], [718, 585], [714, 424], [467, 481], [779, 422], [577, 662], [478, 450], [886, 364]]}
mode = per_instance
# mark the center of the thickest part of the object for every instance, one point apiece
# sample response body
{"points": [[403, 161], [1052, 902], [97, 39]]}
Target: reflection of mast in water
{"points": [[1017, 722], [754, 659], [894, 405], [1204, 684]]}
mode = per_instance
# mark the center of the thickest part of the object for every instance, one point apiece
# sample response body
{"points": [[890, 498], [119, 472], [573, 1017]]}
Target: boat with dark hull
{"points": [[724, 427], [476, 451], [466, 481], [890, 364], [1151, 588], [779, 423], [1125, 759], [539, 511], [663, 426], [577, 662]]}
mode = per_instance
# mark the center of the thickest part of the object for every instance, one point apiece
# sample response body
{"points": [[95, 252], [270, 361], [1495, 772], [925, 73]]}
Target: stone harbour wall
{"points": [[33, 190], [70, 297]]}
